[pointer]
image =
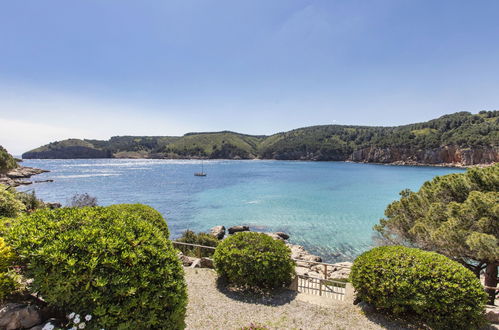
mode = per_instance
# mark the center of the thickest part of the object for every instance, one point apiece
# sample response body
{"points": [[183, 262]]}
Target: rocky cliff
{"points": [[448, 155]]}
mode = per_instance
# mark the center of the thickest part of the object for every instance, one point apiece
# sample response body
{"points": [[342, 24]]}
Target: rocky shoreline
{"points": [[15, 177], [307, 264]]}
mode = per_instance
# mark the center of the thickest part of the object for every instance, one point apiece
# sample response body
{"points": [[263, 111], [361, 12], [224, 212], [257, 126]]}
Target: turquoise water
{"points": [[329, 207]]}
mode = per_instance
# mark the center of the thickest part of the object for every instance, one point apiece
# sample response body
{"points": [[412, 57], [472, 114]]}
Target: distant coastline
{"points": [[458, 140]]}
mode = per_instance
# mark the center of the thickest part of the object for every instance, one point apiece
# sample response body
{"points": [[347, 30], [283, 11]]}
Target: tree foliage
{"points": [[7, 162], [456, 215], [426, 285], [325, 142]]}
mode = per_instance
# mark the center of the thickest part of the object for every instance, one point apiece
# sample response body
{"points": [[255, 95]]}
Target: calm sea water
{"points": [[329, 207]]}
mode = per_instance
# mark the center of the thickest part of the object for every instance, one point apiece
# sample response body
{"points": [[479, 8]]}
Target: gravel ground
{"points": [[212, 306]]}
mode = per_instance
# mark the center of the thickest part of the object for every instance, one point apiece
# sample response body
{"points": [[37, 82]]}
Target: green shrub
{"points": [[10, 206], [30, 201], [405, 281], [201, 239], [254, 260], [7, 258], [117, 266], [145, 212]]}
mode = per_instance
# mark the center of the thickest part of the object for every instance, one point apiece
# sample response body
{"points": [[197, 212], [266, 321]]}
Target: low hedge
{"points": [[411, 282], [117, 266], [254, 260]]}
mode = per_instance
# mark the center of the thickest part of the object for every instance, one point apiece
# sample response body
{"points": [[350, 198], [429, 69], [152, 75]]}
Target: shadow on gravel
{"points": [[272, 298], [391, 323]]}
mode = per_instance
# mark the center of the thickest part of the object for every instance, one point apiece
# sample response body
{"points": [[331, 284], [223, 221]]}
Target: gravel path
{"points": [[211, 306]]}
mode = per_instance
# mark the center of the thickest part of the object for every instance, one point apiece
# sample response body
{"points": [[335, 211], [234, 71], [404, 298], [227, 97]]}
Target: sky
{"points": [[100, 68]]}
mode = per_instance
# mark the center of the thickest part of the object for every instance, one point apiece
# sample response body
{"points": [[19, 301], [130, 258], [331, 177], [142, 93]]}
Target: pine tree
{"points": [[456, 215]]}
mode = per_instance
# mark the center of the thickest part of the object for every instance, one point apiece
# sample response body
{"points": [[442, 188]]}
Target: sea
{"points": [[328, 207]]}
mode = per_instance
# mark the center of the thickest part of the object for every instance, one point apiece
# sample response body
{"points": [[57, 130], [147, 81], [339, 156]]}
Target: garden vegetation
{"points": [[456, 215], [113, 263], [423, 285], [254, 260]]}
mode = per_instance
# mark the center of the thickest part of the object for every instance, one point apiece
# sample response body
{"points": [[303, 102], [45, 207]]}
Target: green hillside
{"points": [[337, 142], [7, 162], [457, 138]]}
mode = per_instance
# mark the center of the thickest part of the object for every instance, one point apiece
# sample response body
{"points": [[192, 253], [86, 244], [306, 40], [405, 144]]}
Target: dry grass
{"points": [[211, 306]]}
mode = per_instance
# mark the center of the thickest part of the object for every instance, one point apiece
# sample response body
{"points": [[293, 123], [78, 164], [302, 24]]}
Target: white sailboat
{"points": [[202, 173]]}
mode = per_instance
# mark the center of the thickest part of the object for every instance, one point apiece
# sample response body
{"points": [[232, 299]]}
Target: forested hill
{"points": [[461, 139], [7, 162]]}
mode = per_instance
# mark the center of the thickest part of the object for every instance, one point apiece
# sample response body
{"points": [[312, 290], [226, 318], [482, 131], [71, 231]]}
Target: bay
{"points": [[328, 207]]}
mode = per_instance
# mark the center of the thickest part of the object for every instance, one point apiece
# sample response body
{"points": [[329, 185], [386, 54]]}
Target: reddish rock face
{"points": [[444, 155]]}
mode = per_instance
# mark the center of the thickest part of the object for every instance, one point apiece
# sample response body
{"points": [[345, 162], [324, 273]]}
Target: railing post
{"points": [[320, 287], [349, 293], [325, 271], [294, 284]]}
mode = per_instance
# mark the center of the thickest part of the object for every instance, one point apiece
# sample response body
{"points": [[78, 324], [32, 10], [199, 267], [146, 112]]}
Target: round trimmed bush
{"points": [[406, 281], [7, 258], [115, 265], [145, 212], [254, 260]]}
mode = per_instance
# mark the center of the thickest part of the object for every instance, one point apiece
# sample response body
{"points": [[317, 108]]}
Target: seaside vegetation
{"points": [[254, 261], [10, 204], [200, 239], [456, 215], [114, 263], [146, 213], [82, 200], [8, 284], [7, 162], [326, 142], [421, 285]]}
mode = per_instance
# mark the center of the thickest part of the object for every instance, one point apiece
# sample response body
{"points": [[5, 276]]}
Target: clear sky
{"points": [[98, 68]]}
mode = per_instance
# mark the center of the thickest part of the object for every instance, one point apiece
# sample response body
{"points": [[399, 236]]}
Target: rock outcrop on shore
{"points": [[15, 177], [307, 264], [443, 156]]}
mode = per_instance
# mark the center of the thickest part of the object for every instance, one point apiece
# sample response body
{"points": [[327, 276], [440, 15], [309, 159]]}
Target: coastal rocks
{"points": [[492, 314], [447, 155], [338, 271], [206, 263], [18, 316], [202, 263], [275, 236], [24, 172], [235, 229], [195, 262], [282, 235], [299, 252], [13, 177], [218, 232]]}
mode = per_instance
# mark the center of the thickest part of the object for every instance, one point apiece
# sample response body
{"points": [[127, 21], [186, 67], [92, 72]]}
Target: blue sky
{"points": [[99, 68]]}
